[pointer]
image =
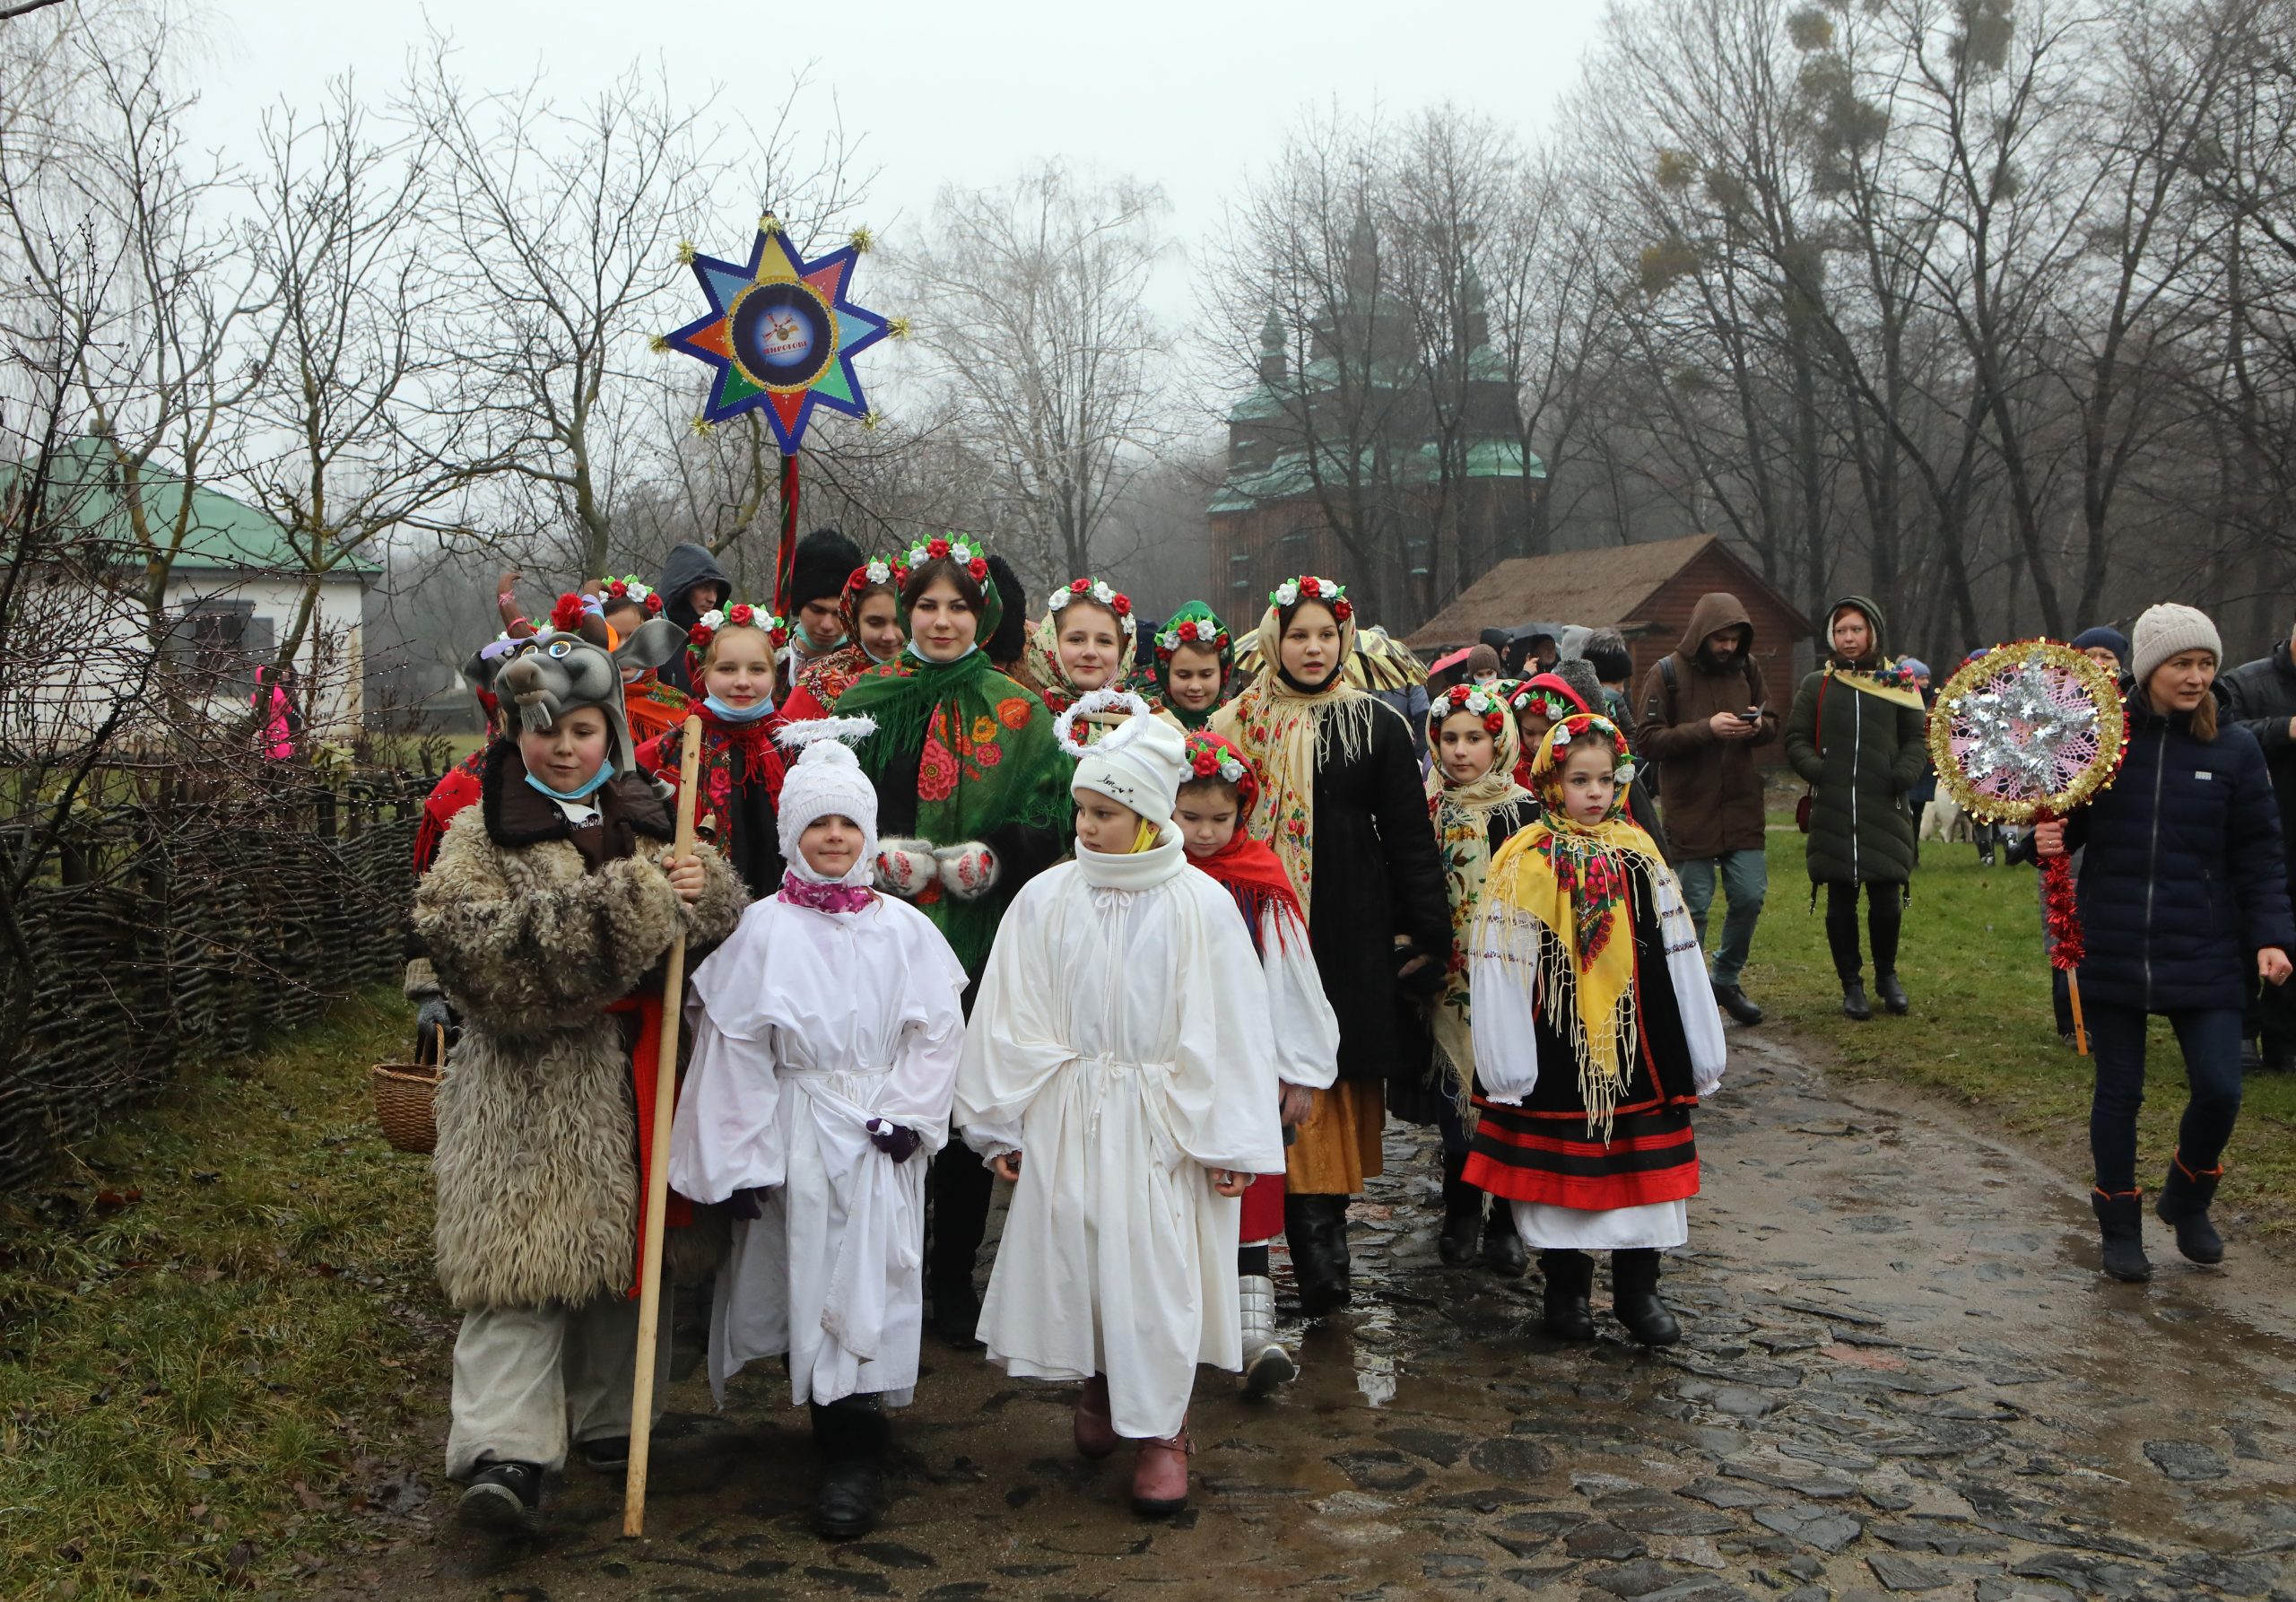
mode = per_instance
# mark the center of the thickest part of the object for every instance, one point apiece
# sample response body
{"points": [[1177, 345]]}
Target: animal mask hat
{"points": [[572, 664], [826, 779]]}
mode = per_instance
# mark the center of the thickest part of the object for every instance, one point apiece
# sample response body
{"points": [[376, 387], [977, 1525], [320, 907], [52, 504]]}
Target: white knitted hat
{"points": [[1139, 765], [826, 778], [2163, 631]]}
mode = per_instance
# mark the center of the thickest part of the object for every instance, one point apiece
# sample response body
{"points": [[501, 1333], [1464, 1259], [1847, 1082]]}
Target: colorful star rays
{"points": [[781, 334]]}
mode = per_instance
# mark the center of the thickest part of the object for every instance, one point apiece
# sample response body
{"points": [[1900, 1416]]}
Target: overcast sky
{"points": [[1188, 93]]}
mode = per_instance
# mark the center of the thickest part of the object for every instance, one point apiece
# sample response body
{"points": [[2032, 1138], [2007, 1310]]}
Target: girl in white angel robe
{"points": [[826, 1033], [1119, 1061]]}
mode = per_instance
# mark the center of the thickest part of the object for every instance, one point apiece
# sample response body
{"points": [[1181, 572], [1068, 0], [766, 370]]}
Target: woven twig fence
{"points": [[184, 926]]}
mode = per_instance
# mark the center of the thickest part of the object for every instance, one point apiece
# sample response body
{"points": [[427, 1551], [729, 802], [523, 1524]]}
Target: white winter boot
{"points": [[1266, 1364]]}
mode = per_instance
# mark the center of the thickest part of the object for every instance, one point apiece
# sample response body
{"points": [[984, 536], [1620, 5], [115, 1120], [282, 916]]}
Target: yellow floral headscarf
{"points": [[1559, 899], [1461, 818], [1042, 656]]}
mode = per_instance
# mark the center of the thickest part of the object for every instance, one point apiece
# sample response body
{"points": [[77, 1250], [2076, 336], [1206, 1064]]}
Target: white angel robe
{"points": [[1120, 1042], [1299, 1012], [1504, 1018], [807, 1024]]}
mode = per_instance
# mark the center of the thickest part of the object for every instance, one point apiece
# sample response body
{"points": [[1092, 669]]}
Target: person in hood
{"points": [[1704, 715], [692, 583], [1858, 734]]}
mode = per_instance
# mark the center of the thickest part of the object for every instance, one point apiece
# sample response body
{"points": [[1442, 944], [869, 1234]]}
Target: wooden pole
{"points": [[658, 1164], [2080, 1025]]}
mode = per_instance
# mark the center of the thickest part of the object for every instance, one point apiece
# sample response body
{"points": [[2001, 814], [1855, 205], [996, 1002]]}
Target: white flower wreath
{"points": [[1100, 700], [713, 620], [878, 572], [1287, 592]]}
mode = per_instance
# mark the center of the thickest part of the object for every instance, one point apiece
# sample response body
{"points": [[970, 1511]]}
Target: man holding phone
{"points": [[1703, 713]]}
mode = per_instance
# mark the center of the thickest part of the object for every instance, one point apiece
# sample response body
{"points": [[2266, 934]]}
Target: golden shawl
{"points": [[1559, 897], [1461, 819]]}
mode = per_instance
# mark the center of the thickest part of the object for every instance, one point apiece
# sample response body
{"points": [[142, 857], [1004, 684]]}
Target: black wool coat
{"points": [[2184, 879], [1377, 876], [2260, 696]]}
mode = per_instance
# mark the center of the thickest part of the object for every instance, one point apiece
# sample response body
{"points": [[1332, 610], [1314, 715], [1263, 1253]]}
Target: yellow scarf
{"points": [[1280, 728], [1559, 899]]}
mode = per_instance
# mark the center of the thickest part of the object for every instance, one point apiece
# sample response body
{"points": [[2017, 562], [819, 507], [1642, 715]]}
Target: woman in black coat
{"points": [[2183, 895], [1341, 803]]}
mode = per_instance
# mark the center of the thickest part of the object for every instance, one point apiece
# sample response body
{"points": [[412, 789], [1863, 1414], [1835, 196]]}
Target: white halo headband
{"points": [[1101, 700], [851, 730]]}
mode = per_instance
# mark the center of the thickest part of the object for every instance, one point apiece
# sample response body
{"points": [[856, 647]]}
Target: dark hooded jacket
{"points": [[1710, 787], [1861, 753], [2182, 877], [2260, 696], [688, 565]]}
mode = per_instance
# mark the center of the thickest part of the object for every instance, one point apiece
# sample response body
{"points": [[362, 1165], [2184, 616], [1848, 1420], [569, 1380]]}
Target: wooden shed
{"points": [[1644, 591]]}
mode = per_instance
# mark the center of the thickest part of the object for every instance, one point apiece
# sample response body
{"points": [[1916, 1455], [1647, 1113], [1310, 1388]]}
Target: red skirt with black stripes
{"points": [[1552, 1157]]}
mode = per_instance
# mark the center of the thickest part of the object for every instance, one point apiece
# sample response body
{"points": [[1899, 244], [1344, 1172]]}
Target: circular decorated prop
{"points": [[2027, 732], [2023, 735]]}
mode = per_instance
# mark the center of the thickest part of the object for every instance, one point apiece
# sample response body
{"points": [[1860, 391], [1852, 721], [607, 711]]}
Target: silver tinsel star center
{"points": [[2023, 737]]}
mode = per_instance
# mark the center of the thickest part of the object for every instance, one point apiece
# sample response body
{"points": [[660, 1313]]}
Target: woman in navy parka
{"points": [[2183, 896]]}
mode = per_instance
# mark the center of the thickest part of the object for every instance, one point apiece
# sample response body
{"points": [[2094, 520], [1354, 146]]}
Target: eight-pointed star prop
{"points": [[781, 334]]}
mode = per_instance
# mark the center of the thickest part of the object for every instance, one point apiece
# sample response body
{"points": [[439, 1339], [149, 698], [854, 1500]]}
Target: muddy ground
{"points": [[1903, 1374]]}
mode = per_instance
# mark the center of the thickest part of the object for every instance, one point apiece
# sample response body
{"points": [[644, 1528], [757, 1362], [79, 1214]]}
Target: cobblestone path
{"points": [[1903, 1375]]}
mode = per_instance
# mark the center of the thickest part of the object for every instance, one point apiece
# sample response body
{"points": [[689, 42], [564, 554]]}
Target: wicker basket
{"points": [[403, 1093]]}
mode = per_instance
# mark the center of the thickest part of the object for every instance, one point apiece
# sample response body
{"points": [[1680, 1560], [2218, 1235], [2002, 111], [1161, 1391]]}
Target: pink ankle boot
{"points": [[1159, 1478], [1096, 1436]]}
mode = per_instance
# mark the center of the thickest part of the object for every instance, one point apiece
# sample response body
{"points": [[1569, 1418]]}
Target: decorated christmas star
{"points": [[781, 334]]}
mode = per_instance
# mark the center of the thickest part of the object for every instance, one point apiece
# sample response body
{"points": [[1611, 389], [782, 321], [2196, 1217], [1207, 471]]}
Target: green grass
{"points": [[220, 1332], [1981, 1031]]}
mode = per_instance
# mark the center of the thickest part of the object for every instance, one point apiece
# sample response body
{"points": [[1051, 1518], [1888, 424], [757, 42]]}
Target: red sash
{"points": [[645, 1062]]}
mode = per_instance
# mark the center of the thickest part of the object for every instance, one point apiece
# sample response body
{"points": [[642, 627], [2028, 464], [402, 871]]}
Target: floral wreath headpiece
{"points": [[1211, 757], [967, 554], [1307, 586], [1551, 704], [741, 615], [1469, 698], [1095, 589], [1101, 700], [1191, 632], [1558, 740], [879, 569], [633, 590]]}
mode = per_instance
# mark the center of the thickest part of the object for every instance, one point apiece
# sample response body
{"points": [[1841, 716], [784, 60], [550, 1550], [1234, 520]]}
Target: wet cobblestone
{"points": [[1902, 1377]]}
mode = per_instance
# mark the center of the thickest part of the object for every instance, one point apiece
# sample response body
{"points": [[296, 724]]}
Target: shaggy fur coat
{"points": [[536, 1167]]}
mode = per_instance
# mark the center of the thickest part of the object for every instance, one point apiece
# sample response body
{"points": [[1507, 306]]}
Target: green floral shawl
{"points": [[987, 758]]}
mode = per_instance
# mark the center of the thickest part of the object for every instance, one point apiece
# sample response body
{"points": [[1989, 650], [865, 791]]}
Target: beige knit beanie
{"points": [[2163, 631]]}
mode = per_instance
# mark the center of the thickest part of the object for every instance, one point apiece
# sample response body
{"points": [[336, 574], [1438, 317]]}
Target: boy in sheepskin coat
{"points": [[547, 915]]}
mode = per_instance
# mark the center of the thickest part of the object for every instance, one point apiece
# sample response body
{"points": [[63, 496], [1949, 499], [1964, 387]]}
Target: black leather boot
{"points": [[1462, 1213], [2120, 1223], [1893, 996], [2183, 1207], [1854, 1004], [851, 1436], [1503, 1248], [1569, 1314], [1634, 1297], [1316, 1226]]}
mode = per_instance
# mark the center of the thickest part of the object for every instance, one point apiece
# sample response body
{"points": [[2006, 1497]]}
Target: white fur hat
{"points": [[826, 778], [1139, 765]]}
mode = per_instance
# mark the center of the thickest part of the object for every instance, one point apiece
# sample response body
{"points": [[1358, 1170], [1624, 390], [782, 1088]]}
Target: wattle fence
{"points": [[179, 919]]}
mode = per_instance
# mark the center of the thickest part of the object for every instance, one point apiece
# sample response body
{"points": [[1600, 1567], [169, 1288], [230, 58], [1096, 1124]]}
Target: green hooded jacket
{"points": [[1860, 750]]}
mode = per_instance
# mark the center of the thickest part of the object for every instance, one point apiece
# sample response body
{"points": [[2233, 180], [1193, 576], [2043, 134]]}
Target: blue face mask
{"points": [[725, 714], [589, 787], [934, 662]]}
